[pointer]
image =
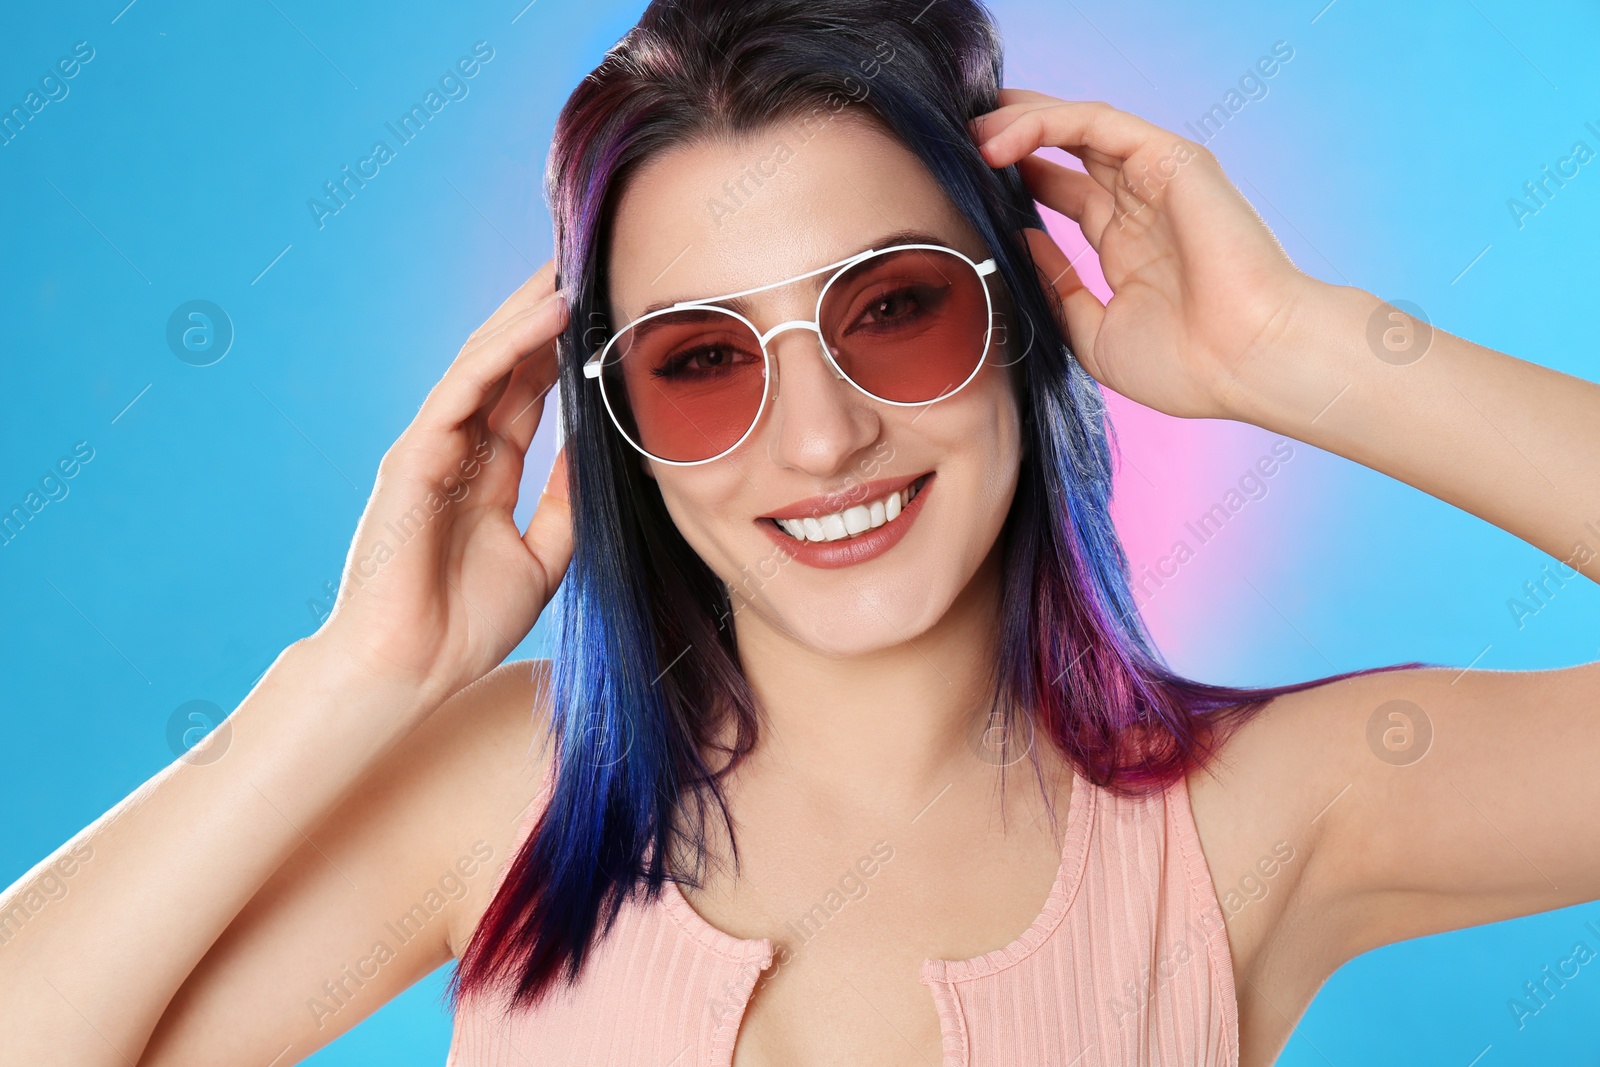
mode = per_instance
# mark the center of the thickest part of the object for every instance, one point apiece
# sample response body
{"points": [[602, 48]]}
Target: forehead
{"points": [[714, 217]]}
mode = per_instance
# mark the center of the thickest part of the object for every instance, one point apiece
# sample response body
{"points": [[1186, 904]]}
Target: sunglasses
{"points": [[905, 325]]}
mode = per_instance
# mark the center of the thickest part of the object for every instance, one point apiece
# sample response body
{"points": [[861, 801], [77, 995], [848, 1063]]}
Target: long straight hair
{"points": [[645, 674]]}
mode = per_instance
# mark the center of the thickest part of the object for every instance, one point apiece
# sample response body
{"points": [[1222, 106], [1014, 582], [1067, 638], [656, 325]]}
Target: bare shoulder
{"points": [[1396, 804], [382, 891], [1262, 808], [465, 779], [1391, 805], [448, 801], [491, 745]]}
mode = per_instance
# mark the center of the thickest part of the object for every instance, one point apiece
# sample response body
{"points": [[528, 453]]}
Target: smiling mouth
{"points": [[854, 520]]}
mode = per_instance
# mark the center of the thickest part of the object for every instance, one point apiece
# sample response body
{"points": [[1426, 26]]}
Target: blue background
{"points": [[202, 536]]}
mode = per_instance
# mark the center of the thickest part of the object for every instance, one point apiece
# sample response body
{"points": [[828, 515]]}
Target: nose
{"points": [[818, 419]]}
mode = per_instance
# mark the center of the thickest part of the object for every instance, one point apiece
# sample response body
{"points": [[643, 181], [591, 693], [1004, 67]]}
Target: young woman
{"points": [[860, 751]]}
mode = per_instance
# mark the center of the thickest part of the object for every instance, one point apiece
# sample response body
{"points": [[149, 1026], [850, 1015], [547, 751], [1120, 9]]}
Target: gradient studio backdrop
{"points": [[207, 529]]}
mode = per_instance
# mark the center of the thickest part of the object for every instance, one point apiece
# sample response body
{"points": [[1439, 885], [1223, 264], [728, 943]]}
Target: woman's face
{"points": [[708, 219]]}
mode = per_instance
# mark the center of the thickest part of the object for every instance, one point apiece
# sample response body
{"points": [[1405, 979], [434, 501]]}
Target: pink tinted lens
{"points": [[908, 325], [685, 385]]}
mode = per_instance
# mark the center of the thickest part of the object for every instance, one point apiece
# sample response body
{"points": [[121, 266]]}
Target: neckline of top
{"points": [[1081, 806]]}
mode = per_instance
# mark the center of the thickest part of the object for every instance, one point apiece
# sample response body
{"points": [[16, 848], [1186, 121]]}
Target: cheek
{"points": [[994, 441], [988, 429], [976, 445], [1012, 340], [703, 505], [688, 513]]}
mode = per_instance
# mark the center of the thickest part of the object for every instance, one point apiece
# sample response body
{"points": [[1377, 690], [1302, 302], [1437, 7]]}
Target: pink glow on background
{"points": [[1169, 473]]}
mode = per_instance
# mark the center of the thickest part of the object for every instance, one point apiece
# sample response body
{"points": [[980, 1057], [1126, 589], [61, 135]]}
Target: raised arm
{"points": [[385, 890], [1417, 801], [172, 867], [1209, 319]]}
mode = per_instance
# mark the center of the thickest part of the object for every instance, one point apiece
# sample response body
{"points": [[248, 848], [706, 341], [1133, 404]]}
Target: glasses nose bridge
{"points": [[801, 324]]}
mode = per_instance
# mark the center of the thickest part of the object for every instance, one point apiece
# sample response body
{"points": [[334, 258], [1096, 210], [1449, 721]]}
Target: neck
{"points": [[886, 727]]}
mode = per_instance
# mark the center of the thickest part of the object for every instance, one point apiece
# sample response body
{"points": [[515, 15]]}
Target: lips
{"points": [[815, 507], [853, 549]]}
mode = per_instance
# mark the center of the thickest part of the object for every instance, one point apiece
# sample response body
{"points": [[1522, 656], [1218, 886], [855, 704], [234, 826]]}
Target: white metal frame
{"points": [[592, 368]]}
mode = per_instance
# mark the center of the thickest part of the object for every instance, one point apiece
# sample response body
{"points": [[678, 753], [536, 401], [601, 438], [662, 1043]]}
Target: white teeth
{"points": [[851, 521]]}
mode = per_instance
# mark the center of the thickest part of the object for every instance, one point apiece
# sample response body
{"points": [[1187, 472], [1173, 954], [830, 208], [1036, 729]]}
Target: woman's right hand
{"points": [[439, 585]]}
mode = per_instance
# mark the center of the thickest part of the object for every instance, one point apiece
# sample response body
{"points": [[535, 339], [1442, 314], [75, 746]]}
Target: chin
{"points": [[854, 612], [901, 597]]}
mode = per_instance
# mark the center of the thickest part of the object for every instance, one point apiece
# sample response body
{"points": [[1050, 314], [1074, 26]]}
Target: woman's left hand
{"points": [[1203, 296]]}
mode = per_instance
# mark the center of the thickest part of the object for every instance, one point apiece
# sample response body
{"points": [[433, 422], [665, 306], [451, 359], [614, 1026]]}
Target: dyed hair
{"points": [[633, 716]]}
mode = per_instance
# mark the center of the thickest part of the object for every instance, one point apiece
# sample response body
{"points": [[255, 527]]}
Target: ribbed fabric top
{"points": [[1127, 965]]}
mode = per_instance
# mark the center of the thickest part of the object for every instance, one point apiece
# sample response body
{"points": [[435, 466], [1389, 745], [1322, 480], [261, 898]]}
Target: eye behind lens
{"points": [[686, 385]]}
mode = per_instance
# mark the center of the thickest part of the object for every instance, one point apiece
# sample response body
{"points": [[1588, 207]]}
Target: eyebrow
{"points": [[742, 304]]}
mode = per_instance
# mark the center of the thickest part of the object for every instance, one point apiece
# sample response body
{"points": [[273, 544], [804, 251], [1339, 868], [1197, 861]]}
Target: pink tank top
{"points": [[1127, 966]]}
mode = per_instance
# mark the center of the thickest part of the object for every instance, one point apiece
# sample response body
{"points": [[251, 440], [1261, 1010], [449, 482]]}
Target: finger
{"points": [[1020, 129], [516, 416], [549, 534], [498, 391], [990, 123], [539, 287], [1123, 176], [479, 373], [1011, 102], [1104, 169], [1131, 187], [1101, 166], [1082, 309], [1072, 193], [540, 284]]}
